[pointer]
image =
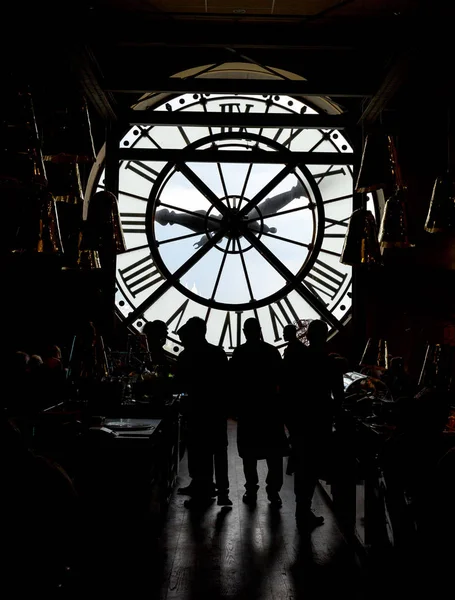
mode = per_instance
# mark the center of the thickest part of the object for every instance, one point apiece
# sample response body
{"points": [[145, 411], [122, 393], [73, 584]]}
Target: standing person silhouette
{"points": [[294, 345], [256, 370], [201, 371], [159, 369], [313, 392], [156, 332]]}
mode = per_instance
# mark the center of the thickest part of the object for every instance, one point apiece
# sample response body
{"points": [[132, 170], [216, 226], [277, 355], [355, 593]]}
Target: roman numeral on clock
{"points": [[142, 169], [133, 222], [177, 316], [329, 224], [227, 330], [140, 276], [231, 107], [325, 279], [284, 315]]}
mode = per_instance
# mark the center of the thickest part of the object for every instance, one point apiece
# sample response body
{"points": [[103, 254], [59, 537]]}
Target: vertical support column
{"points": [[113, 134], [107, 280]]}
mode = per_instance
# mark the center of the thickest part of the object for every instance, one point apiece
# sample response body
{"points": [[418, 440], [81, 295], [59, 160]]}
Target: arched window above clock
{"points": [[233, 205]]}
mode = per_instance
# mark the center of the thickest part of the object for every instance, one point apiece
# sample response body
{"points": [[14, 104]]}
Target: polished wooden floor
{"points": [[238, 553], [234, 553]]}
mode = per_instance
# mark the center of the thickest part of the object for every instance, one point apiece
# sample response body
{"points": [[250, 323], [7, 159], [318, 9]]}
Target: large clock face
{"points": [[225, 239]]}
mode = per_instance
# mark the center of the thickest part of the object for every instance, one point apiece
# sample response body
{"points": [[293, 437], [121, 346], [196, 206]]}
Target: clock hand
{"points": [[196, 221], [254, 226], [258, 227], [273, 204]]}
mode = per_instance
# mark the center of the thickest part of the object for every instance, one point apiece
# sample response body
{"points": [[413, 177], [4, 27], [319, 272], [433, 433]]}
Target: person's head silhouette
{"points": [[289, 333], [156, 332], [252, 330], [195, 329], [317, 333]]}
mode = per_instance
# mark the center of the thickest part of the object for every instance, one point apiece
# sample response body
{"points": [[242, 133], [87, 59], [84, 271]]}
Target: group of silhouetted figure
{"points": [[284, 406], [262, 391]]}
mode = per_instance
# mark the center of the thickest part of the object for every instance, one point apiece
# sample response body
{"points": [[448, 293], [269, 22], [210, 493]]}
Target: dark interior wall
{"points": [[410, 301]]}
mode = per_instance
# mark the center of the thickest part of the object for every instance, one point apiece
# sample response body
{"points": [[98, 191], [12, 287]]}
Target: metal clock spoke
{"points": [[135, 248], [223, 183], [220, 270], [184, 237], [283, 212], [331, 252], [288, 240], [245, 270], [298, 285], [253, 203], [203, 188], [245, 184], [174, 277]]}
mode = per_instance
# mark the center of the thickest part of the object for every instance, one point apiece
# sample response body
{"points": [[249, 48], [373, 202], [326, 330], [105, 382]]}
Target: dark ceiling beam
{"points": [[274, 45], [142, 83], [395, 78], [236, 156], [86, 69], [239, 120], [141, 28], [413, 50]]}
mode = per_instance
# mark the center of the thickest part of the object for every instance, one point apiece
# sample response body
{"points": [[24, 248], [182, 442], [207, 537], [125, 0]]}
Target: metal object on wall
{"points": [[88, 359], [376, 167], [361, 245], [49, 240], [441, 212], [38, 229], [393, 231], [65, 182], [104, 220], [23, 169], [68, 139], [88, 256], [375, 354], [436, 368], [21, 163]]}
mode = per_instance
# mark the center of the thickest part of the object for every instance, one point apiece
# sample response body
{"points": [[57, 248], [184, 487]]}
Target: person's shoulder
{"points": [[271, 348], [240, 348], [216, 350]]}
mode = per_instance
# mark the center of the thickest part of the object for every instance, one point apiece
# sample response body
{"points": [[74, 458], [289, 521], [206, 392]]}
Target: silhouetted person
{"points": [[313, 395], [256, 370], [156, 332], [293, 355], [157, 379], [294, 345], [201, 372]]}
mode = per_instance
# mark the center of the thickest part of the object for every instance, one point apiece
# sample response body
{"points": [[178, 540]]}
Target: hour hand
{"points": [[196, 221], [273, 204]]}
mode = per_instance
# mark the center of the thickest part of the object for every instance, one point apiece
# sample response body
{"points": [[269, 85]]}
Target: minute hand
{"points": [[249, 206], [273, 204]]}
